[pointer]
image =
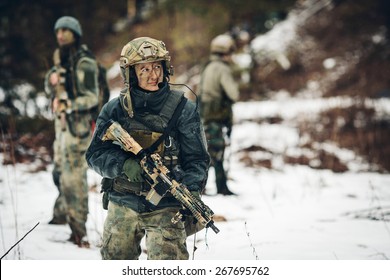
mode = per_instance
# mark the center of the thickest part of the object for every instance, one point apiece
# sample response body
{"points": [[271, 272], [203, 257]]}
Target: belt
{"points": [[124, 186]]}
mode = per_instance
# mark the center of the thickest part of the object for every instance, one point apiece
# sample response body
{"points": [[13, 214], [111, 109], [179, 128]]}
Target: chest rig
{"points": [[156, 133]]}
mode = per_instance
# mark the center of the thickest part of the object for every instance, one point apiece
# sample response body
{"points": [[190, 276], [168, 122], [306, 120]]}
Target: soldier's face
{"points": [[149, 75], [64, 37]]}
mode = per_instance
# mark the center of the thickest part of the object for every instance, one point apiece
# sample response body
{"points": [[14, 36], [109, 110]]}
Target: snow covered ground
{"points": [[299, 222], [285, 213]]}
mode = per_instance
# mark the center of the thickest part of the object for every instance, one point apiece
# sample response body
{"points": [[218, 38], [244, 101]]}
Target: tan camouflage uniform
{"points": [[219, 91], [71, 144]]}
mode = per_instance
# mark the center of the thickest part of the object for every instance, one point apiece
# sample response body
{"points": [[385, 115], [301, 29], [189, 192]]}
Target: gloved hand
{"points": [[132, 169]]}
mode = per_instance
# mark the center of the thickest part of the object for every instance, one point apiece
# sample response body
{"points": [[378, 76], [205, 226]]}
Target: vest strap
{"points": [[171, 123]]}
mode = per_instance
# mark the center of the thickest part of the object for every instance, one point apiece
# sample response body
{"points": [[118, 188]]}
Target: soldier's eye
{"points": [[145, 70]]}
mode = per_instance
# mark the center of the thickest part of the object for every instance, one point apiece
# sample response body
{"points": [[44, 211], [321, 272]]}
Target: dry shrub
{"points": [[356, 128]]}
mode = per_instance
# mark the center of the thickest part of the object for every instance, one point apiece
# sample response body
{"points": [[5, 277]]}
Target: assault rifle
{"points": [[159, 178], [61, 93]]}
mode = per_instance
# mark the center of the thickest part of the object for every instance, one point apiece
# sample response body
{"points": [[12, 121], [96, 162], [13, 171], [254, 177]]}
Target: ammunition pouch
{"points": [[105, 200], [107, 186], [147, 138]]}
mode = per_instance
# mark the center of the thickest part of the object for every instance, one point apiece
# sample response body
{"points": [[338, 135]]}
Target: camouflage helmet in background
{"points": [[70, 23], [222, 44], [143, 50]]}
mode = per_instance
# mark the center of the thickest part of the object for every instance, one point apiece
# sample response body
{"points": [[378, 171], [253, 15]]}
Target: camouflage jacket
{"points": [[81, 87], [81, 81], [218, 89]]}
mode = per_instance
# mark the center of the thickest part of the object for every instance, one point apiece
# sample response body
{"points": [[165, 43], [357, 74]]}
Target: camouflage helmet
{"points": [[142, 50], [137, 51], [69, 22], [223, 44]]}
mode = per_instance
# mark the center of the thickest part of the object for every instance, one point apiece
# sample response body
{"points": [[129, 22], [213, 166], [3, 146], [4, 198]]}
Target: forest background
{"points": [[353, 35]]}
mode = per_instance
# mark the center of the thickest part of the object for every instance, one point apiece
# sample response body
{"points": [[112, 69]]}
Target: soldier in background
{"points": [[219, 91], [73, 86]]}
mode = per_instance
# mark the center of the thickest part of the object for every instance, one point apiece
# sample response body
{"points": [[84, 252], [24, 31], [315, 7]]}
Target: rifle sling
{"points": [[171, 122]]}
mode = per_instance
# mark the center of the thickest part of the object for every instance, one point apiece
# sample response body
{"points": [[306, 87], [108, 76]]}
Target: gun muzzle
{"points": [[212, 226]]}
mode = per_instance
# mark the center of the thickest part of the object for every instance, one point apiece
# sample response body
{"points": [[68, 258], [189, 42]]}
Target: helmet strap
{"points": [[125, 97], [126, 103]]}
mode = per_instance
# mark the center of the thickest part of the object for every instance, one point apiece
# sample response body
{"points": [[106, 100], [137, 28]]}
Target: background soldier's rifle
{"points": [[61, 94], [159, 178]]}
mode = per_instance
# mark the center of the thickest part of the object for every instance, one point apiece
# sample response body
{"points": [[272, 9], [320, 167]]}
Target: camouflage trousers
{"points": [[70, 164], [59, 209], [124, 229], [216, 149]]}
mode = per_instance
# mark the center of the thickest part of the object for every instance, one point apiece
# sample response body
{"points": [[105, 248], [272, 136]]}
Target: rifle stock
{"points": [[159, 178]]}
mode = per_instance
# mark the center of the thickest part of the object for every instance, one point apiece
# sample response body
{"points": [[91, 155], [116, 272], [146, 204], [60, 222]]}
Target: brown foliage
{"points": [[344, 32]]}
